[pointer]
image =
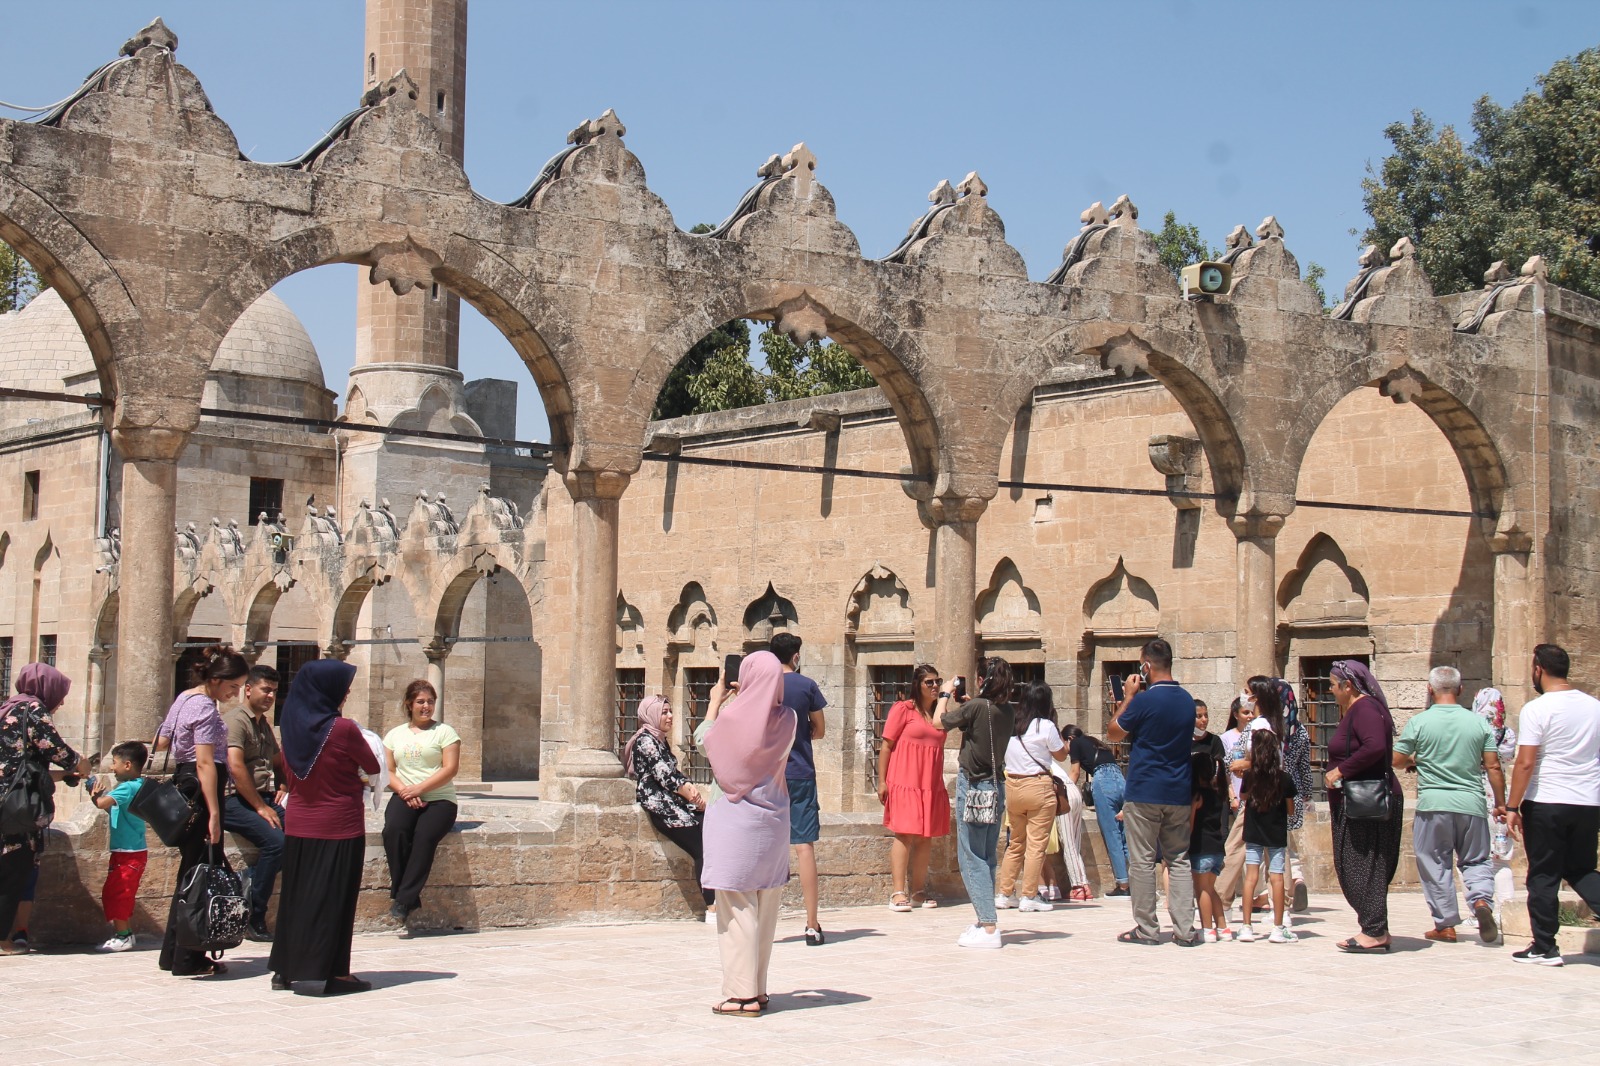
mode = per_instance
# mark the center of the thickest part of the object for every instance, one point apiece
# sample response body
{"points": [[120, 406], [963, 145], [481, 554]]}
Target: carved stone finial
{"points": [[590, 130], [771, 168], [1269, 229], [1124, 215], [1403, 249], [1497, 272], [483, 489], [1535, 268], [400, 89], [383, 504], [1239, 238], [799, 162], [1371, 257], [972, 185], [942, 194], [155, 35], [1094, 215]]}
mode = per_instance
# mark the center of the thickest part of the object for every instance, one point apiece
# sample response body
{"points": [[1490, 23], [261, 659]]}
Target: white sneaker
{"points": [[1005, 903], [1033, 903], [1283, 935], [976, 937], [1210, 936], [711, 917], [118, 943], [1245, 934]]}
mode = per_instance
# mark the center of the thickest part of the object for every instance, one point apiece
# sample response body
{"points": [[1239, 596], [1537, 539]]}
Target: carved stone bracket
{"points": [[404, 265], [802, 319], [1402, 385], [1178, 458]]}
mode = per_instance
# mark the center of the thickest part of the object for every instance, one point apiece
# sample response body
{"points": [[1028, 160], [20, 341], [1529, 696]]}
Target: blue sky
{"points": [[1223, 113]]}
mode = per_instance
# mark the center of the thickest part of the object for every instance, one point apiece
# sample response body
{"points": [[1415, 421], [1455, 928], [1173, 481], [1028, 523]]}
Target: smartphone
{"points": [[1117, 688], [958, 687], [730, 669], [1144, 675]]}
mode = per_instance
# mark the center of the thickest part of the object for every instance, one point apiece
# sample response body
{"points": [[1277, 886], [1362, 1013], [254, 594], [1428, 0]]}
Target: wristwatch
{"points": [[1514, 810]]}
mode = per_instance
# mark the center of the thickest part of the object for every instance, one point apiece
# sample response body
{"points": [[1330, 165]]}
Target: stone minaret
{"points": [[404, 344]]}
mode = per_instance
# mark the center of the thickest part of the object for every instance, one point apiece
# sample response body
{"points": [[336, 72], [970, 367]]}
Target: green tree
{"points": [[1315, 272], [18, 282], [1180, 244], [1527, 184], [815, 369]]}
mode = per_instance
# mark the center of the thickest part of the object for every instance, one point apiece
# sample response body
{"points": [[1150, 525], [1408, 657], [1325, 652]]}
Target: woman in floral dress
{"points": [[674, 805]]}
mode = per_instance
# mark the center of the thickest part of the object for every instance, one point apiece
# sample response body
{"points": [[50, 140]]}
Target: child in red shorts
{"points": [[129, 851]]}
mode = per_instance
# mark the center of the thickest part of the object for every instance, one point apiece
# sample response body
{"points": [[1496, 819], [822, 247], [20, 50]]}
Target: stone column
{"points": [[1520, 617], [588, 770], [955, 531], [1257, 602], [94, 704], [436, 652], [144, 595]]}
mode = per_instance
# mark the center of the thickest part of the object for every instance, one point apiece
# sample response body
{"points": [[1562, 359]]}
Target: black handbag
{"points": [[162, 805], [28, 805], [209, 907], [1366, 801], [983, 804]]}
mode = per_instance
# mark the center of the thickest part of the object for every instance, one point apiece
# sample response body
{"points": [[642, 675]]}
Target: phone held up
{"points": [[730, 669], [958, 688], [1117, 688]]}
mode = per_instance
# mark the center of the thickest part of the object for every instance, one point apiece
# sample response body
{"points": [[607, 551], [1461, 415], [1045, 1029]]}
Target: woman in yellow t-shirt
{"points": [[424, 755]]}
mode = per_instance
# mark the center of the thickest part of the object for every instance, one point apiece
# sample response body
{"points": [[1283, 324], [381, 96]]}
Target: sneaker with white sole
{"points": [[1224, 935], [1282, 934], [1210, 936], [1005, 903], [1245, 934], [1033, 903], [1534, 956], [118, 943], [977, 937]]}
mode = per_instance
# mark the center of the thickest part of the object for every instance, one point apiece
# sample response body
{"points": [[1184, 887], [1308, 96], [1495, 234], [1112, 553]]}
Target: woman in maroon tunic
{"points": [[1366, 852], [325, 832]]}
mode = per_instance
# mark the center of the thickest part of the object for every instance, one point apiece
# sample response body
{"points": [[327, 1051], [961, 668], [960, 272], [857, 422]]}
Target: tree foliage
{"points": [[729, 379], [1527, 184], [1180, 244], [18, 282]]}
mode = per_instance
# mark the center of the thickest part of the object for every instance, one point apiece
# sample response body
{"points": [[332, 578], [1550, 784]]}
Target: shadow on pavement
{"points": [[809, 998], [1026, 935], [835, 936]]}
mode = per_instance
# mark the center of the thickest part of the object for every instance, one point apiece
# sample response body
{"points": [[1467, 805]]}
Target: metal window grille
{"points": [[1320, 713], [630, 693], [1023, 675], [887, 686], [266, 497], [1108, 701], [47, 649], [291, 657], [5, 664], [698, 681]]}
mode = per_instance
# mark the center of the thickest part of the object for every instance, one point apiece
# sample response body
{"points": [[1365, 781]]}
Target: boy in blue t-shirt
{"points": [[129, 852], [801, 695]]}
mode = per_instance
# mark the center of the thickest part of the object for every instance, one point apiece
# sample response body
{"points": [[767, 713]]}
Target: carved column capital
{"points": [[950, 510], [597, 484], [157, 444], [1256, 526]]}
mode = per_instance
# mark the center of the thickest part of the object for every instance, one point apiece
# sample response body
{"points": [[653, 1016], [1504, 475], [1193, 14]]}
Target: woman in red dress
{"points": [[916, 805]]}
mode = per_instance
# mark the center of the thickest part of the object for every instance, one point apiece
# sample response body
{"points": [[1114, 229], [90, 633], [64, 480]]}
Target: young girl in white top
{"points": [[1030, 797]]}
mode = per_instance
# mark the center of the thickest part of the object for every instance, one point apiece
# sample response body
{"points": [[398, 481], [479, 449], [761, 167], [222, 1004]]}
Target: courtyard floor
{"points": [[887, 988]]}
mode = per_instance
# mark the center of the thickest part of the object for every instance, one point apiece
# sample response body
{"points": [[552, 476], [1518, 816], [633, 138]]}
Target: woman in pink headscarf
{"points": [[747, 830], [672, 802]]}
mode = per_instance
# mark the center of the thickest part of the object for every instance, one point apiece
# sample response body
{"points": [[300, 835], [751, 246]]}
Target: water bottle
{"points": [[1502, 841]]}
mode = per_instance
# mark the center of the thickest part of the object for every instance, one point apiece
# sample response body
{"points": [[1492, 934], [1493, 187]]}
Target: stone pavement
{"points": [[887, 988]]}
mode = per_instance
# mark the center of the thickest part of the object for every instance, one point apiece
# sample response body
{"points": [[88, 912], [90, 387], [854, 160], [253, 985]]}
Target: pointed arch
{"points": [[692, 618], [1007, 608], [880, 608], [1323, 586], [768, 615], [1122, 603]]}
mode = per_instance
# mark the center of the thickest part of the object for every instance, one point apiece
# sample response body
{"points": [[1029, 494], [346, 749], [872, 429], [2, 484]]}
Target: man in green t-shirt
{"points": [[1451, 748]]}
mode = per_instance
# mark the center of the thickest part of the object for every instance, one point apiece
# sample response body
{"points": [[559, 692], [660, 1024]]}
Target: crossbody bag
{"points": [[982, 806]]}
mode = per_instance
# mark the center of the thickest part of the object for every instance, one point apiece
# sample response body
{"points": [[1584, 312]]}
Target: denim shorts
{"points": [[1207, 864], [804, 821], [1256, 854]]}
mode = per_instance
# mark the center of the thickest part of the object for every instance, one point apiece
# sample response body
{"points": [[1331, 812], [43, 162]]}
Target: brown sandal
{"points": [[741, 1008]]}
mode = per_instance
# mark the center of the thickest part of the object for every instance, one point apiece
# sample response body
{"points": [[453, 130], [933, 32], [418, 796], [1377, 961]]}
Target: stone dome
{"points": [[266, 362]]}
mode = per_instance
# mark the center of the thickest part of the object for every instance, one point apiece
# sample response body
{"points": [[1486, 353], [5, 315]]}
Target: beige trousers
{"points": [[746, 924], [1030, 811]]}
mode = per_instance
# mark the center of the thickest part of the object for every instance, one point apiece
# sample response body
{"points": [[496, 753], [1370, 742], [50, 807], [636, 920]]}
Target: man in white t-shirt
{"points": [[1555, 798]]}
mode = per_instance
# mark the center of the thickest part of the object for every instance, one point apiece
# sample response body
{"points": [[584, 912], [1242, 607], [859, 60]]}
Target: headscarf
{"points": [[649, 713], [310, 710], [1291, 705], [1357, 674], [37, 681], [1489, 705], [749, 742]]}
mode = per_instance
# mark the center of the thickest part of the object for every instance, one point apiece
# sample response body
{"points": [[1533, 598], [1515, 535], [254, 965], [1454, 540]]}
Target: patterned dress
{"points": [[659, 779], [26, 727]]}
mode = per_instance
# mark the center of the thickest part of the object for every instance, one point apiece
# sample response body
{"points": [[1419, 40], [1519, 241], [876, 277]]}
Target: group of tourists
{"points": [[298, 797]]}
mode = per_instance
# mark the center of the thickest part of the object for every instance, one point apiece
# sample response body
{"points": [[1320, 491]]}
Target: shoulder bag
{"points": [[1063, 797], [209, 907], [983, 803], [28, 804], [1366, 801], [161, 804]]}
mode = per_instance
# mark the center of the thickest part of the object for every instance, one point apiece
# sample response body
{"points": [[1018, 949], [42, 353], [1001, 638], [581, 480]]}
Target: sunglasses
{"points": [[933, 682]]}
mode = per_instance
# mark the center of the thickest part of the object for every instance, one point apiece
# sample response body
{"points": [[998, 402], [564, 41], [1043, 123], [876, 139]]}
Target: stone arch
{"points": [[768, 615], [347, 611], [184, 604], [495, 288], [1122, 603], [630, 627], [258, 610], [1164, 355], [1008, 609], [691, 618], [890, 352], [67, 262], [1324, 587], [432, 413], [880, 608], [105, 621], [1475, 449]]}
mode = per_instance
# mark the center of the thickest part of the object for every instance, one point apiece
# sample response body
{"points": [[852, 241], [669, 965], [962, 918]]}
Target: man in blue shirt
{"points": [[801, 695], [1156, 716]]}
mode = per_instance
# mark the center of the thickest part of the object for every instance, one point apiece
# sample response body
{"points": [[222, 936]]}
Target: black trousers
{"points": [[192, 851], [1366, 854], [689, 839], [15, 869], [410, 837], [1561, 841]]}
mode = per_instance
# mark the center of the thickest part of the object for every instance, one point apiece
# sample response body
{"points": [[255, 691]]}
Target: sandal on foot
{"points": [[900, 903], [1133, 936], [1356, 947], [922, 899], [738, 1008]]}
